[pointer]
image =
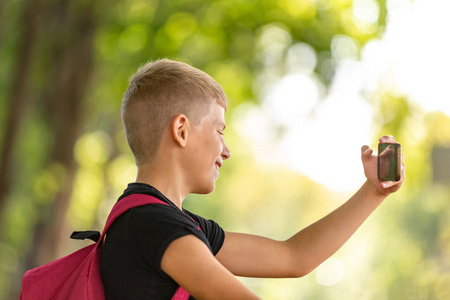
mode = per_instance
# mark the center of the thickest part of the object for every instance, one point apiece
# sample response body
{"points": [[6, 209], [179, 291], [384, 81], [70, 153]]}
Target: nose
{"points": [[225, 152]]}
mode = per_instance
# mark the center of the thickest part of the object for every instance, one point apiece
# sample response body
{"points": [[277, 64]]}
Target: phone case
{"points": [[389, 161]]}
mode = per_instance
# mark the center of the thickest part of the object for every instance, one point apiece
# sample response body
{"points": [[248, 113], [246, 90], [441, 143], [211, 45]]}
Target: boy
{"points": [[173, 116]]}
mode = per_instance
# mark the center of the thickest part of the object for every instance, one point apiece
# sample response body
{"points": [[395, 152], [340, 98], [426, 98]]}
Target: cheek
{"points": [[219, 146]]}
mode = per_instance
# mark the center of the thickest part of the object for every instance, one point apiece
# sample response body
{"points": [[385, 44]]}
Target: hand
{"points": [[380, 188]]}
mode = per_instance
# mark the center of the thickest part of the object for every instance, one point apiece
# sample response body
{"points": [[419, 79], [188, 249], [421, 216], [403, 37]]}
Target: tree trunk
{"points": [[18, 96], [73, 64], [65, 52]]}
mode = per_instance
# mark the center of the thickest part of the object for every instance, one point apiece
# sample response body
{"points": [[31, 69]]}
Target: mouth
{"points": [[218, 165]]}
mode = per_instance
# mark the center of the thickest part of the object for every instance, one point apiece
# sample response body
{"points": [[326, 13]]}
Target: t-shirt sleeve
{"points": [[213, 232], [153, 227]]}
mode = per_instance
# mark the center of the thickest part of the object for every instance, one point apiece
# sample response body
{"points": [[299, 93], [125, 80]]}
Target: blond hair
{"points": [[157, 93]]}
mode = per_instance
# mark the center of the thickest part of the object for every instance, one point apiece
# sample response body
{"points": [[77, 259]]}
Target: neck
{"points": [[164, 179]]}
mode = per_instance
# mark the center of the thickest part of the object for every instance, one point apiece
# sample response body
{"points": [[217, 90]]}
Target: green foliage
{"points": [[402, 253]]}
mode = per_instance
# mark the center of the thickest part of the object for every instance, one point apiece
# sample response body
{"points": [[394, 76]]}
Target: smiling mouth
{"points": [[218, 165]]}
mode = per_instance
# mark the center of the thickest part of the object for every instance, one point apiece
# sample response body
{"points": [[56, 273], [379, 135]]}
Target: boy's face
{"points": [[207, 151]]}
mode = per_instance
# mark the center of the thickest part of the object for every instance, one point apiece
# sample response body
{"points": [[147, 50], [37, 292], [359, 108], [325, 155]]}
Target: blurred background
{"points": [[309, 82]]}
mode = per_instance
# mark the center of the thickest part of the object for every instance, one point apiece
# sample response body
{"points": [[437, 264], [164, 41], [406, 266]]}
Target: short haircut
{"points": [[157, 93]]}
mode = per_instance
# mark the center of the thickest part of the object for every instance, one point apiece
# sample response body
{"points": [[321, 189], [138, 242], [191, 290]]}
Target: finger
{"points": [[366, 151], [387, 139], [388, 184], [403, 168]]}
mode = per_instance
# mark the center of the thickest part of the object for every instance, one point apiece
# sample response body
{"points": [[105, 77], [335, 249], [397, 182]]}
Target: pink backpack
{"points": [[77, 276]]}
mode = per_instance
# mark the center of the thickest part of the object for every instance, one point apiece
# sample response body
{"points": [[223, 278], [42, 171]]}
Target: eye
{"points": [[220, 132]]}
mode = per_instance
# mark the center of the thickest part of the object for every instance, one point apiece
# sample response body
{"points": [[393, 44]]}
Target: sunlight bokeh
{"points": [[321, 133]]}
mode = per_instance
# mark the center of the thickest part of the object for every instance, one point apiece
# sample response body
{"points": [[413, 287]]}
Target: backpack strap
{"points": [[87, 234], [126, 203]]}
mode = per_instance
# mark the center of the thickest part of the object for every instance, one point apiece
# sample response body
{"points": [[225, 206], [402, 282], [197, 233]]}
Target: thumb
{"points": [[366, 152]]}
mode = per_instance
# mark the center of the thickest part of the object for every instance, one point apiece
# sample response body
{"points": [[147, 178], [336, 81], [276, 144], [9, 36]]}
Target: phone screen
{"points": [[389, 159]]}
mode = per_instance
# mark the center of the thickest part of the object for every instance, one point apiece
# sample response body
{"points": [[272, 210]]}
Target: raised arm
{"points": [[255, 256]]}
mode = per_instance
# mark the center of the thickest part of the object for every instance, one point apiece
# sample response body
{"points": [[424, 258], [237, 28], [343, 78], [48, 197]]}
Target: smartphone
{"points": [[389, 161]]}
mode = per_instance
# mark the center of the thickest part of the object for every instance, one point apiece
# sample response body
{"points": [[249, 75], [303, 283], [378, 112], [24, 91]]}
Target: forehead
{"points": [[216, 114]]}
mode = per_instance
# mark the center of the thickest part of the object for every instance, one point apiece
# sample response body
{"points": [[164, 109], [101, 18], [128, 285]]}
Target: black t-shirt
{"points": [[137, 240]]}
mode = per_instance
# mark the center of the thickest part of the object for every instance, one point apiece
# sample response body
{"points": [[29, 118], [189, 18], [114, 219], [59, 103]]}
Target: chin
{"points": [[205, 189]]}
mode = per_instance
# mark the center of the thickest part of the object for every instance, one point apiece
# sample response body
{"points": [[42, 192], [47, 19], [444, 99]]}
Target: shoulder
{"points": [[213, 232], [151, 228], [161, 216]]}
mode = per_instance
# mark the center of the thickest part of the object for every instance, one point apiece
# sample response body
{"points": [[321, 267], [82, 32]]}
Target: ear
{"points": [[180, 126]]}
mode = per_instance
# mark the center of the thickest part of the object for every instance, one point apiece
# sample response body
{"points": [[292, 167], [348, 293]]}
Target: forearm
{"points": [[317, 242], [255, 256]]}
